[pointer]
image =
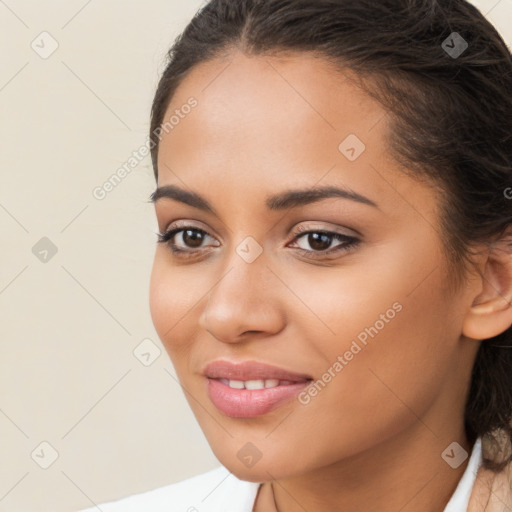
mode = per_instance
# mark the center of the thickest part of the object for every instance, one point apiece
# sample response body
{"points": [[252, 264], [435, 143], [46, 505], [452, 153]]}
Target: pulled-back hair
{"points": [[450, 119]]}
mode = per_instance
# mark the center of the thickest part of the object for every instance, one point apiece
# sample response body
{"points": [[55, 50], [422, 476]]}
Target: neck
{"points": [[406, 472]]}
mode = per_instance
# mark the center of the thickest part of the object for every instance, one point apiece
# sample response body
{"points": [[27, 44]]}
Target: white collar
{"points": [[460, 498]]}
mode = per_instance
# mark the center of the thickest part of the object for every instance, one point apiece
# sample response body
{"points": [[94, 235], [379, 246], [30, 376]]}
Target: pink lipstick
{"points": [[251, 389]]}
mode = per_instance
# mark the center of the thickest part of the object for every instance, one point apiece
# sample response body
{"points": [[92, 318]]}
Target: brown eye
{"points": [[186, 239], [319, 241], [192, 237], [322, 240], [316, 244]]}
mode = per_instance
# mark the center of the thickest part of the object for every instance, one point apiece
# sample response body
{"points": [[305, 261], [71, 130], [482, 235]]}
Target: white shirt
{"points": [[220, 491]]}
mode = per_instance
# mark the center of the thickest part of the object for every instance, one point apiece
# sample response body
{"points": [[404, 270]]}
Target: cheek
{"points": [[158, 298], [395, 331], [173, 294], [392, 297], [379, 388]]}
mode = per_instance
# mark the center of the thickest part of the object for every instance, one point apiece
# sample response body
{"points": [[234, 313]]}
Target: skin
{"points": [[372, 438]]}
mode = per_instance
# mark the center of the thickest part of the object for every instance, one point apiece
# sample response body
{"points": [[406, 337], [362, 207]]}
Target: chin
{"points": [[255, 474], [265, 470]]}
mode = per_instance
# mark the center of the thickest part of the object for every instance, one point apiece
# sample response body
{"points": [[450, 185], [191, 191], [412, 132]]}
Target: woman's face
{"points": [[348, 290]]}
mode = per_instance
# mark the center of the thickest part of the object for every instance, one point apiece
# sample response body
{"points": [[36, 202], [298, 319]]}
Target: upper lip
{"points": [[250, 370]]}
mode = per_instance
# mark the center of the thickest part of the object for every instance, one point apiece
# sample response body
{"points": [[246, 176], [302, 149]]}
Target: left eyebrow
{"points": [[283, 201], [296, 198]]}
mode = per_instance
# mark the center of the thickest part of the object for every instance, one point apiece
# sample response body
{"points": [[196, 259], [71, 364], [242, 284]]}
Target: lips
{"points": [[251, 370], [251, 389]]}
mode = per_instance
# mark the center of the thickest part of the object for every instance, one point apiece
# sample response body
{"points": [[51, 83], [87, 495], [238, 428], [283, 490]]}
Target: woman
{"points": [[334, 272]]}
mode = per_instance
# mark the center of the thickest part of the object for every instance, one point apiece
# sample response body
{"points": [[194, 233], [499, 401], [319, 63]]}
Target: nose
{"points": [[244, 302]]}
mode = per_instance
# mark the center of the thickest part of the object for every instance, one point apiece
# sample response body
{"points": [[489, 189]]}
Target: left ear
{"points": [[490, 313]]}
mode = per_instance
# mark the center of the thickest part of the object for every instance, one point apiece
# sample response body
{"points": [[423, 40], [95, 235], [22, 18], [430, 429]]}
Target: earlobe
{"points": [[489, 319], [490, 312]]}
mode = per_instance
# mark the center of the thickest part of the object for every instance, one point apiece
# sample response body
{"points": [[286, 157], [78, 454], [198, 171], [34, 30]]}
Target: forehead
{"points": [[264, 123], [272, 105]]}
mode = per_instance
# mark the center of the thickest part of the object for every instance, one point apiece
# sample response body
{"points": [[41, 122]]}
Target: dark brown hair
{"points": [[450, 118]]}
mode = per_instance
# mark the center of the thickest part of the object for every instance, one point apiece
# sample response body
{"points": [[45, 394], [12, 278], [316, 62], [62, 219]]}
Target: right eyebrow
{"points": [[183, 196]]}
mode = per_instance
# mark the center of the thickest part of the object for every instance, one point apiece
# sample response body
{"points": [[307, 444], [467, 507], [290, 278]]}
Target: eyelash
{"points": [[350, 242]]}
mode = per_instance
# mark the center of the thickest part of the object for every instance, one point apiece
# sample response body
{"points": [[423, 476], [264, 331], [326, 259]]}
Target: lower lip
{"points": [[250, 403]]}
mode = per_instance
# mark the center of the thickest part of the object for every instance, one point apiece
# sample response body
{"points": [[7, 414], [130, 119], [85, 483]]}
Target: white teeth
{"points": [[254, 384], [236, 384]]}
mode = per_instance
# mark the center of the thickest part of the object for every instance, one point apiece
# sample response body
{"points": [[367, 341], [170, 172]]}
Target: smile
{"points": [[251, 389]]}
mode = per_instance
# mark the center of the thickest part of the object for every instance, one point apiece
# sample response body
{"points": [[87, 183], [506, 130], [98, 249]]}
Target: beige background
{"points": [[69, 325]]}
